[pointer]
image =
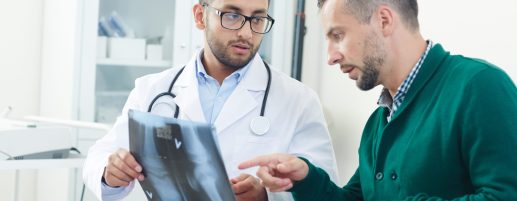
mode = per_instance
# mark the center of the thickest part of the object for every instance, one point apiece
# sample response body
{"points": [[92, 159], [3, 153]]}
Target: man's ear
{"points": [[199, 17], [385, 19]]}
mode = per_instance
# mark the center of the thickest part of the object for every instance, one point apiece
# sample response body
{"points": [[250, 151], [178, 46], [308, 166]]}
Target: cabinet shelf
{"points": [[134, 63]]}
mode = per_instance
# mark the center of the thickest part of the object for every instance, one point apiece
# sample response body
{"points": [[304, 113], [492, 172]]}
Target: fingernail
{"points": [[141, 178], [138, 168]]}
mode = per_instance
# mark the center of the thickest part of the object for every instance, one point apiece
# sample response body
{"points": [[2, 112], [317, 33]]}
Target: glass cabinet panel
{"points": [[128, 29], [162, 35]]}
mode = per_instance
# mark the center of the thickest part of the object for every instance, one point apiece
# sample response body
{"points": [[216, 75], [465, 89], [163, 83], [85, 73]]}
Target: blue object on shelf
{"points": [[118, 24], [105, 29]]}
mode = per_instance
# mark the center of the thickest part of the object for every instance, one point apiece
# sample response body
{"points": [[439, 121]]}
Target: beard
{"points": [[374, 59], [223, 53]]}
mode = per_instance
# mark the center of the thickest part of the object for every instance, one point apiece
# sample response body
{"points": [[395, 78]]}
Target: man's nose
{"points": [[334, 56], [245, 32]]}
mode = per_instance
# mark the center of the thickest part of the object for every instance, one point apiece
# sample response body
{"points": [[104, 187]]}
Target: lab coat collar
{"points": [[240, 102], [187, 94], [256, 77], [188, 77]]}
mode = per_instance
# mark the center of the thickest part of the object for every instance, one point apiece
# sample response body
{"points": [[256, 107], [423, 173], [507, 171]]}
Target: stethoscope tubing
{"points": [[168, 93], [176, 112]]}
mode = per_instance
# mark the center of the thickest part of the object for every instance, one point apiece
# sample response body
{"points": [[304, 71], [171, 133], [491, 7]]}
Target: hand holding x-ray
{"points": [[180, 159], [122, 168]]}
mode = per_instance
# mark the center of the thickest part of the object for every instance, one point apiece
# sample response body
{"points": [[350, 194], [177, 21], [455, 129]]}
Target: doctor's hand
{"points": [[248, 188], [278, 171], [122, 168]]}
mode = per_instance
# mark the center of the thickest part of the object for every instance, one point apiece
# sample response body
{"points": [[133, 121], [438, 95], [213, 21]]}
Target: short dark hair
{"points": [[210, 1], [363, 9]]}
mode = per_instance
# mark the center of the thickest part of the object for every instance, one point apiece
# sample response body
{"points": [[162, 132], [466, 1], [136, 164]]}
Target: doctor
{"points": [[255, 109]]}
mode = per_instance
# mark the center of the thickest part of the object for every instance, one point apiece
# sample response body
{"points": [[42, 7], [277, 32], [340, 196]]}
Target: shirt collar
{"points": [[386, 100], [202, 75]]}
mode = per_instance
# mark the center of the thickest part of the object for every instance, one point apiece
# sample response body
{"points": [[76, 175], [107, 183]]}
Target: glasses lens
{"points": [[232, 20], [235, 21], [261, 24]]}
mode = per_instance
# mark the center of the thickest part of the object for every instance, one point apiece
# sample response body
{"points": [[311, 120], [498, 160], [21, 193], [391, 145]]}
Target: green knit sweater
{"points": [[453, 138]]}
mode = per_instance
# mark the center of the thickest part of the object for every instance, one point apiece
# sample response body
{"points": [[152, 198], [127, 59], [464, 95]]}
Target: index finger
{"points": [[259, 161]]}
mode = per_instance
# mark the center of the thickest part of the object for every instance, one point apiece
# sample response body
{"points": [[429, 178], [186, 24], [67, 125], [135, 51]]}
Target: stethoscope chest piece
{"points": [[259, 125]]}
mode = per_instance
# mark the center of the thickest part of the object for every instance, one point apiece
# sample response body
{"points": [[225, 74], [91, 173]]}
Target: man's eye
{"points": [[337, 36], [231, 16], [258, 20]]}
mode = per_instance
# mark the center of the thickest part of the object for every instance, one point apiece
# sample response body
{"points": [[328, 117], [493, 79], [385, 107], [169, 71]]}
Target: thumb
{"points": [[240, 178]]}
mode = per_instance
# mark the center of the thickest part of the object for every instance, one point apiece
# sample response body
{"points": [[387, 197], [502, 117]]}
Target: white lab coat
{"points": [[297, 123]]}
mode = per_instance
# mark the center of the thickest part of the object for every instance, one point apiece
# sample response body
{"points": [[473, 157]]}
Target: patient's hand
{"points": [[278, 171]]}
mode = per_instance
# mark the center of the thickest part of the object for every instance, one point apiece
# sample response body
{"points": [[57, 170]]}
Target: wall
{"points": [[27, 64], [20, 55], [60, 58], [472, 28], [20, 58]]}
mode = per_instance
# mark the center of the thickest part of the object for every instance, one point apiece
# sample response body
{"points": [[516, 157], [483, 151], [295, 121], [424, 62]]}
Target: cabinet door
{"points": [[107, 78]]}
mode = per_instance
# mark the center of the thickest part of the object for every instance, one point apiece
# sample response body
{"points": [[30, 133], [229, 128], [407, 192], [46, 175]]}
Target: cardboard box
{"points": [[154, 52]]}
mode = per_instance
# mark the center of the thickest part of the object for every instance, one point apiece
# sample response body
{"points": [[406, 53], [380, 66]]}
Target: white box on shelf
{"points": [[126, 48], [154, 52], [102, 46]]}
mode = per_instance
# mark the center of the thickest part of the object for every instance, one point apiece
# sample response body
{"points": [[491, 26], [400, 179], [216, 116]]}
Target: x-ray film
{"points": [[180, 159]]}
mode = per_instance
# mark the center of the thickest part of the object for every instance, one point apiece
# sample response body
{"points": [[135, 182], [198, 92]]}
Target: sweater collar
{"points": [[431, 64]]}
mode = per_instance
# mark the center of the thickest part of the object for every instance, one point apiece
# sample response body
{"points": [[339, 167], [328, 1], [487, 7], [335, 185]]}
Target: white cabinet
{"points": [[105, 83]]}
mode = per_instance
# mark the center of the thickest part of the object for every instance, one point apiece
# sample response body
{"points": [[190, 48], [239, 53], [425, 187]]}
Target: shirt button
{"points": [[394, 176], [379, 176]]}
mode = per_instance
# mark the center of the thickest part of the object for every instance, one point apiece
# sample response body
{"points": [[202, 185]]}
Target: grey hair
{"points": [[363, 10]]}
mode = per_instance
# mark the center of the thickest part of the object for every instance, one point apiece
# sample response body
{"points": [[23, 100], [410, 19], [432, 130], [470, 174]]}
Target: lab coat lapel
{"points": [[242, 100], [187, 94]]}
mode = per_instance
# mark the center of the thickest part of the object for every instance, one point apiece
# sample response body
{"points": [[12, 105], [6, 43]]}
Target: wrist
{"points": [[104, 182], [304, 181]]}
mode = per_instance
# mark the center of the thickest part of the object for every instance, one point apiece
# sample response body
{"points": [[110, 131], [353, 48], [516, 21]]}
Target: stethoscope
{"points": [[259, 125]]}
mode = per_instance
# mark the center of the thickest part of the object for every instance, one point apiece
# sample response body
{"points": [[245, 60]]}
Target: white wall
{"points": [[486, 31], [60, 58], [20, 55], [473, 28], [25, 63], [20, 58]]}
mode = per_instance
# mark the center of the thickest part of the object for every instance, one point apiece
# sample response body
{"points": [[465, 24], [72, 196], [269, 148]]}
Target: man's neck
{"points": [[214, 67], [406, 54]]}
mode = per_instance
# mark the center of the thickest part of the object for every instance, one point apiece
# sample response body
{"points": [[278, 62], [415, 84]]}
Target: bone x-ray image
{"points": [[180, 159]]}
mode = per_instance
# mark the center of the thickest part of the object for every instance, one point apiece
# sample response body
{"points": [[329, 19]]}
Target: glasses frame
{"points": [[246, 19]]}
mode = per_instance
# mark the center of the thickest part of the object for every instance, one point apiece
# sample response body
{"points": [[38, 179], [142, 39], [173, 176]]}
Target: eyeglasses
{"points": [[235, 21]]}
